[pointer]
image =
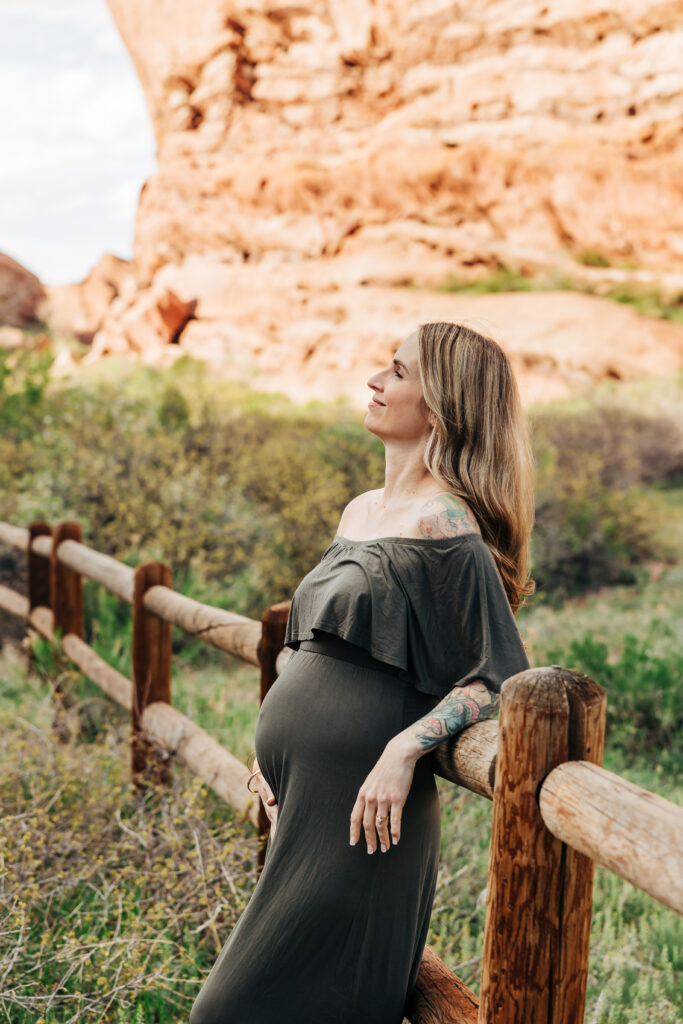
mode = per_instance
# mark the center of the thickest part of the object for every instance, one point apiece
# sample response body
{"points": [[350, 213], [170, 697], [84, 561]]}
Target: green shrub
{"points": [[590, 258], [644, 695], [503, 279], [648, 301], [643, 299], [174, 411], [594, 523], [617, 445], [24, 376], [240, 493]]}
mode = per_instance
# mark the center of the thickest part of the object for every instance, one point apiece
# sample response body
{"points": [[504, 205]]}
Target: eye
{"points": [[397, 374]]}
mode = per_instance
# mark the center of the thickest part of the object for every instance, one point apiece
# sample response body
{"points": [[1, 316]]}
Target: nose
{"points": [[375, 382]]}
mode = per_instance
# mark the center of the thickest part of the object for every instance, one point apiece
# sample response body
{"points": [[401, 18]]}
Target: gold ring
{"points": [[379, 819]]}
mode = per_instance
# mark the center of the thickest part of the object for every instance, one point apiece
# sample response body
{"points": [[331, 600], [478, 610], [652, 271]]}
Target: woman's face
{"points": [[398, 411]]}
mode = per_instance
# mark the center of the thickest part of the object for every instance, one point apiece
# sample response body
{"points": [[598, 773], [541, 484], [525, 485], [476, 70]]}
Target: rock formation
{"points": [[313, 158], [324, 340], [21, 294], [337, 126], [82, 307]]}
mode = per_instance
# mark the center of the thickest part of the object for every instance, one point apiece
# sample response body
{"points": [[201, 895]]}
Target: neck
{"points": [[405, 474]]}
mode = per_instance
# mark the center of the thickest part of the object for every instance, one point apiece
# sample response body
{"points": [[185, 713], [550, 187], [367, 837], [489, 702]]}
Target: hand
{"points": [[384, 792], [267, 799]]}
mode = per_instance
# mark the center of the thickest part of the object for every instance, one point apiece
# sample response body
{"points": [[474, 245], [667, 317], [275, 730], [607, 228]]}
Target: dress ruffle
{"points": [[436, 609]]}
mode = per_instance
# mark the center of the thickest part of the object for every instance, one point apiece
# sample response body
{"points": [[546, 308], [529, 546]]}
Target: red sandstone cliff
{"points": [[312, 157]]}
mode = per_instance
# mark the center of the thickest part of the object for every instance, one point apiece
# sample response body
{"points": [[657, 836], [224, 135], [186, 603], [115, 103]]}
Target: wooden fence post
{"points": [[151, 673], [539, 891], [587, 719], [66, 602], [66, 585], [38, 569], [273, 624]]}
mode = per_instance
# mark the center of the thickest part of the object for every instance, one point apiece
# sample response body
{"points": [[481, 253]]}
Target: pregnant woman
{"points": [[403, 635]]}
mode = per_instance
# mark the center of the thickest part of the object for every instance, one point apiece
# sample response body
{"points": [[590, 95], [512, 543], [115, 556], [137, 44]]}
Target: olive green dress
{"points": [[381, 630]]}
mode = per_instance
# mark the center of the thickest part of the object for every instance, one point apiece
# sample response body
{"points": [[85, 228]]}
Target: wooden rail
{"points": [[634, 833], [556, 812]]}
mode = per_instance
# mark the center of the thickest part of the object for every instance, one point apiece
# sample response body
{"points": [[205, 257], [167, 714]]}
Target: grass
{"points": [[645, 300], [114, 906]]}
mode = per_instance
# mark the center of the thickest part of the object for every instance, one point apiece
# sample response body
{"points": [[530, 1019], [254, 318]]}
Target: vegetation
{"points": [[114, 905], [241, 496], [646, 300], [591, 258]]}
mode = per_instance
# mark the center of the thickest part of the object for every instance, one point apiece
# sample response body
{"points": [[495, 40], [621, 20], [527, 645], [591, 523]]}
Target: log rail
{"points": [[556, 811]]}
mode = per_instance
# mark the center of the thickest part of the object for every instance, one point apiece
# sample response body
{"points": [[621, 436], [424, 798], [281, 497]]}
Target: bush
{"points": [[644, 696], [116, 903], [594, 524], [24, 376], [616, 445], [241, 493]]}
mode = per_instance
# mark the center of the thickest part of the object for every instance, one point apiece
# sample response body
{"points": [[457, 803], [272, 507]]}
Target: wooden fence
{"points": [[556, 811]]}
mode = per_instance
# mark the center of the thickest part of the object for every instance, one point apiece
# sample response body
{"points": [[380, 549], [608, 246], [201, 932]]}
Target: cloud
{"points": [[77, 141]]}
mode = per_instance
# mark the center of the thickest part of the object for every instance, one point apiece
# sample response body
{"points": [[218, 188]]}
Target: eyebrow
{"points": [[397, 362]]}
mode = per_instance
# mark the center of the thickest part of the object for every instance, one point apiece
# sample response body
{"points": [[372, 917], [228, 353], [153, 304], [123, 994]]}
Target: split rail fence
{"points": [[556, 811]]}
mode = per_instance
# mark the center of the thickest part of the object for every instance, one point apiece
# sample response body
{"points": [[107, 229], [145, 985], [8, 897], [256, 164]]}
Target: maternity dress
{"points": [[381, 630]]}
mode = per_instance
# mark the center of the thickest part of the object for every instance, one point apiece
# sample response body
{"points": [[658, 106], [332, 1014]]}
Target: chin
{"points": [[369, 426]]}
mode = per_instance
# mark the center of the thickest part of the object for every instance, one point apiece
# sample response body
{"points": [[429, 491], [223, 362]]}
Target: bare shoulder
{"points": [[357, 508], [446, 515]]}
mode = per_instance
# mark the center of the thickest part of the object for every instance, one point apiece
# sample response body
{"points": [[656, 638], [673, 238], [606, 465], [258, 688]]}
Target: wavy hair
{"points": [[479, 446]]}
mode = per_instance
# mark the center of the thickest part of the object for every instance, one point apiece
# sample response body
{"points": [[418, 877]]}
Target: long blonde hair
{"points": [[479, 446]]}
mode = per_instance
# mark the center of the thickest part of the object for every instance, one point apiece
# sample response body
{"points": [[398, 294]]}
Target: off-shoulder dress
{"points": [[382, 630]]}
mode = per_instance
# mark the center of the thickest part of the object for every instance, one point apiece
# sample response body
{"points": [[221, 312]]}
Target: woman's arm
{"points": [[386, 788], [463, 706]]}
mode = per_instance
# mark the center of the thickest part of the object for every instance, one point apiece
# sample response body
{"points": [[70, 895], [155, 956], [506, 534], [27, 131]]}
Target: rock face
{"points": [[322, 339], [21, 294], [313, 158], [444, 129], [81, 308], [155, 318]]}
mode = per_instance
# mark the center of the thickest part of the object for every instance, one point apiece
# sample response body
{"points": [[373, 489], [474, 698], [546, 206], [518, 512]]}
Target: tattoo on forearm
{"points": [[445, 515], [458, 709]]}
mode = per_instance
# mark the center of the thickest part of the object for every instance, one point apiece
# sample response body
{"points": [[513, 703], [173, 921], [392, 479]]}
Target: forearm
{"points": [[463, 706]]}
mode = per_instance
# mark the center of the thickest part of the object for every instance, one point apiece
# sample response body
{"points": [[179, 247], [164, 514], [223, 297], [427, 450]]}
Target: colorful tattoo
{"points": [[458, 709], [445, 515]]}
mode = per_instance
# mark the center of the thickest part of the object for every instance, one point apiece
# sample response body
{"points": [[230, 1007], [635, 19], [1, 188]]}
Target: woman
{"points": [[402, 636]]}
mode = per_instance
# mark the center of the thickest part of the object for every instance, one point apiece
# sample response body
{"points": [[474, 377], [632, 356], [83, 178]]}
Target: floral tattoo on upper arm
{"points": [[446, 515]]}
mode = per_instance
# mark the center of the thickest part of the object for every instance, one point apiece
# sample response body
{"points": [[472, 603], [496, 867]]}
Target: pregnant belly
{"points": [[321, 729], [324, 723]]}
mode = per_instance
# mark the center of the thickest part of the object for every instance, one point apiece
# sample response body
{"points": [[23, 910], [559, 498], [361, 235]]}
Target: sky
{"points": [[76, 144]]}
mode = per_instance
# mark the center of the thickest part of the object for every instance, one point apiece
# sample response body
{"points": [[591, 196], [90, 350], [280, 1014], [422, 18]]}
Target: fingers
{"points": [[356, 820], [373, 827], [369, 825], [270, 804], [268, 797], [383, 827], [395, 821], [364, 816]]}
